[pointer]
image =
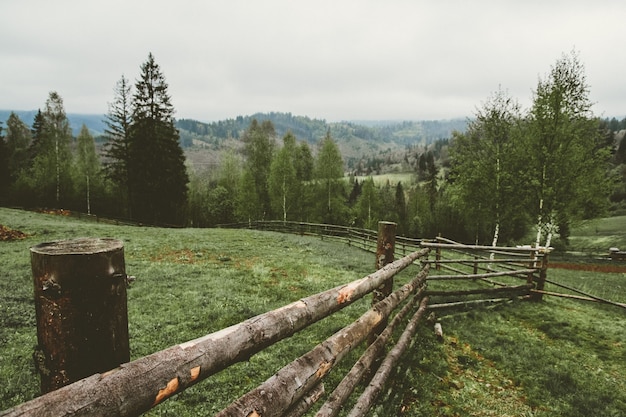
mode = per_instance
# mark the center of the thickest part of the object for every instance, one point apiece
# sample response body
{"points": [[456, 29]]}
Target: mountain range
{"points": [[203, 142]]}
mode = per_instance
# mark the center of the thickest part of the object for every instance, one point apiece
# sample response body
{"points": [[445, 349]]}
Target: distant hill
{"points": [[94, 122], [203, 142], [312, 130]]}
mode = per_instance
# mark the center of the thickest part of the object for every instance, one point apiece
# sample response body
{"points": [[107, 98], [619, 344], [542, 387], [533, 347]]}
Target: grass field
{"points": [[595, 237], [554, 358], [406, 178]]}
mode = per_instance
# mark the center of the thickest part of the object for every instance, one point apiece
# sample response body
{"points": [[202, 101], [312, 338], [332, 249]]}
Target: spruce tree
{"points": [[117, 148], [18, 139], [156, 164], [259, 147], [328, 172], [4, 169]]}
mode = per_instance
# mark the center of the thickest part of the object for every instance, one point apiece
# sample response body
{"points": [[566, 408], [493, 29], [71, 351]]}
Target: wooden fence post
{"points": [[385, 248], [81, 309], [541, 282]]}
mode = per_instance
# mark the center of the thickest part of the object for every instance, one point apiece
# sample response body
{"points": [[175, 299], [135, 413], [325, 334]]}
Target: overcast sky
{"points": [[326, 59]]}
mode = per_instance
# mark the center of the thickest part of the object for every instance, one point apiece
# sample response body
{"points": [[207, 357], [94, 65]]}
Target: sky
{"points": [[326, 59]]}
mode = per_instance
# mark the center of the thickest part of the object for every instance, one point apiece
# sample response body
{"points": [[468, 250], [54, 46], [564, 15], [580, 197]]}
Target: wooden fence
{"points": [[352, 236], [137, 386]]}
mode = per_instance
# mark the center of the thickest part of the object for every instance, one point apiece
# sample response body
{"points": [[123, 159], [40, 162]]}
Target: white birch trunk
{"points": [[58, 167], [284, 199], [88, 199]]}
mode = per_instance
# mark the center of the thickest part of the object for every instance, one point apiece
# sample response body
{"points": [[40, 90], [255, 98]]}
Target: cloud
{"points": [[327, 59]]}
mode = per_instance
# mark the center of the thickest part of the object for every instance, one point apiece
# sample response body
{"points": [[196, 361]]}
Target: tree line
{"points": [[511, 171], [140, 174]]}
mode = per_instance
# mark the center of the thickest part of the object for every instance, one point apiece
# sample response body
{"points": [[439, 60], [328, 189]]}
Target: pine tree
{"points": [[4, 169], [156, 165], [37, 134], [117, 149], [259, 148], [18, 139], [328, 172], [401, 209]]}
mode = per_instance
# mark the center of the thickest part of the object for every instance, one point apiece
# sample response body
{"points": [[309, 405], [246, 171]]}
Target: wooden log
{"points": [[517, 288], [288, 385], [579, 297], [306, 402], [81, 309], [503, 250], [385, 250], [467, 303], [475, 276], [137, 386], [365, 401], [342, 392], [590, 296], [479, 261], [541, 280]]}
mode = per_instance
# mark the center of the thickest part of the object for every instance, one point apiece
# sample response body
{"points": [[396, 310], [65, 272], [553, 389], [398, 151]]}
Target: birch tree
{"points": [[50, 171], [87, 165], [485, 164], [568, 156], [283, 184]]}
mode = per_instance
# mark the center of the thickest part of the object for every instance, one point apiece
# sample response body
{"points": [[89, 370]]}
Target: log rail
{"points": [[136, 387]]}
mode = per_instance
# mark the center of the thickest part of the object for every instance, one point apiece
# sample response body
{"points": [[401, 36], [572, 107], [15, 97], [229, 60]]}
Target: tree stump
{"points": [[81, 309]]}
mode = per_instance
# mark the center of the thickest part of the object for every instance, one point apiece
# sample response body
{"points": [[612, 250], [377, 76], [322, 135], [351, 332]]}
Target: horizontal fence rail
{"points": [[137, 386], [140, 385], [353, 236]]}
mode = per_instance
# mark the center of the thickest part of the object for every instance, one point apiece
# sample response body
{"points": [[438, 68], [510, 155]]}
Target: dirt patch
{"points": [[56, 212], [8, 234], [608, 268]]}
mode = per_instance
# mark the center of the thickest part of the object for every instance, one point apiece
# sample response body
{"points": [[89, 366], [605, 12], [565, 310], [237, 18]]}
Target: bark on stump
{"points": [[81, 309]]}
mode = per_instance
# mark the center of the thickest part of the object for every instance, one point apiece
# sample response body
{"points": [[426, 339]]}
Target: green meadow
{"points": [[557, 357]]}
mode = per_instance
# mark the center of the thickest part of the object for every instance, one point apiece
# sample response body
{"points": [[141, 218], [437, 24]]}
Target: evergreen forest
{"points": [[499, 176]]}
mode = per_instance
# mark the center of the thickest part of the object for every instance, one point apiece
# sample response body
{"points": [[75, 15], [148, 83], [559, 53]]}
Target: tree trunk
{"points": [[80, 303]]}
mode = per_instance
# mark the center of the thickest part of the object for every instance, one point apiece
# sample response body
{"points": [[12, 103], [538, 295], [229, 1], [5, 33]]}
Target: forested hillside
{"points": [[491, 178]]}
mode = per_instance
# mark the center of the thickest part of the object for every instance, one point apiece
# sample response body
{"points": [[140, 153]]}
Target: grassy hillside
{"points": [[557, 357], [595, 237]]}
